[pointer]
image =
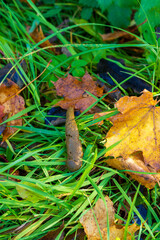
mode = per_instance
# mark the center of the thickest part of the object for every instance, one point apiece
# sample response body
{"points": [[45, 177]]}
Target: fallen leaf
{"points": [[38, 35], [78, 235], [114, 35], [30, 194], [100, 213], [118, 34], [10, 104], [2, 114], [136, 135], [74, 92], [14, 172], [101, 114], [53, 234]]}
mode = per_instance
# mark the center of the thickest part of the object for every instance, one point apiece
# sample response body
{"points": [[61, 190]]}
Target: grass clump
{"points": [[38, 194]]}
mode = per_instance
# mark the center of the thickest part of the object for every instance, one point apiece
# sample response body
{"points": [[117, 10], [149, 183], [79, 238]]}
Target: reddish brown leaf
{"points": [[52, 235], [78, 235], [74, 92], [1, 113]]}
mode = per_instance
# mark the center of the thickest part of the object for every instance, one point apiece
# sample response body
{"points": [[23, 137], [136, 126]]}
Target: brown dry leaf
{"points": [[52, 235], [38, 35], [11, 106], [78, 235], [114, 35], [2, 114], [115, 231], [74, 92], [118, 34], [137, 130]]}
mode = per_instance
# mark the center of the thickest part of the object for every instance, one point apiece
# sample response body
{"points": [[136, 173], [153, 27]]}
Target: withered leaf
{"points": [[137, 130], [115, 231], [74, 92], [119, 33], [52, 235], [78, 235], [2, 114], [112, 36], [38, 35], [11, 104]]}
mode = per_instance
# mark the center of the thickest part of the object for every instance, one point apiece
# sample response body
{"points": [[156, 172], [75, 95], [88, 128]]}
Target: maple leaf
{"points": [[100, 213], [136, 136], [10, 104], [38, 35], [74, 92]]}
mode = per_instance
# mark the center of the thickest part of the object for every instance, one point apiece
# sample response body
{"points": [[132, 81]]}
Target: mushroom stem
{"points": [[74, 147]]}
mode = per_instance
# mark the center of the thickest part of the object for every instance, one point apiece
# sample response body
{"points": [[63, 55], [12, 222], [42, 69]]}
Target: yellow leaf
{"points": [[137, 130]]}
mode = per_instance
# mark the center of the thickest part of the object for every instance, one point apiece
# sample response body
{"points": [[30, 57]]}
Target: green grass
{"points": [[38, 151]]}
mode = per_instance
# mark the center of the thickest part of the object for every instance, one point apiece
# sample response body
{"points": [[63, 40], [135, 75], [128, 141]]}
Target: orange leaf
{"points": [[137, 130], [119, 33], [113, 36], [100, 213], [38, 35], [12, 104], [101, 114], [74, 92]]}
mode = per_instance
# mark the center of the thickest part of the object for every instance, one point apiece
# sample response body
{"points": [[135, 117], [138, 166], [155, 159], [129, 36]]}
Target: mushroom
{"points": [[74, 146]]}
